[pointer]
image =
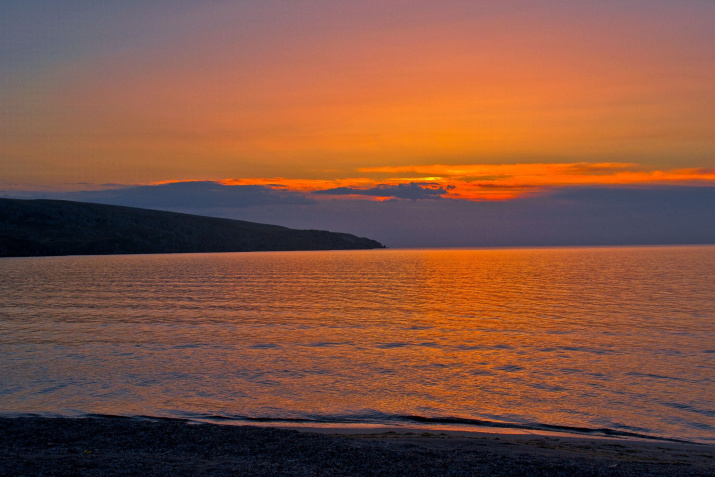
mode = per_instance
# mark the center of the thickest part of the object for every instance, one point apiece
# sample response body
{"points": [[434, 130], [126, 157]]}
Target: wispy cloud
{"points": [[470, 182], [481, 181], [411, 190]]}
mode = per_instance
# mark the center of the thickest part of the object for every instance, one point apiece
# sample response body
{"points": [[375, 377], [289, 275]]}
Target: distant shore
{"points": [[37, 228], [126, 446]]}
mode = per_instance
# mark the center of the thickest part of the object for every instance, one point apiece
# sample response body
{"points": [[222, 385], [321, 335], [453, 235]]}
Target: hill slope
{"points": [[55, 227]]}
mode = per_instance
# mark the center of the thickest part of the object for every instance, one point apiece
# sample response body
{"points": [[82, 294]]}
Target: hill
{"points": [[57, 227]]}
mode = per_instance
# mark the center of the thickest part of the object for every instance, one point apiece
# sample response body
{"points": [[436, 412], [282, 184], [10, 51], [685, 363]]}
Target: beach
{"points": [[132, 446]]}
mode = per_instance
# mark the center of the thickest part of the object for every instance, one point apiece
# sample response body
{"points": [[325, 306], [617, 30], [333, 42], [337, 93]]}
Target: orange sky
{"points": [[359, 93]]}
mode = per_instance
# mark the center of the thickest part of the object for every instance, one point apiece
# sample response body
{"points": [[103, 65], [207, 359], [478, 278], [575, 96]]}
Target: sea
{"points": [[596, 341]]}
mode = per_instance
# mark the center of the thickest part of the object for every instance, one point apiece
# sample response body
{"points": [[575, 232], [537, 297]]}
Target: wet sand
{"points": [[125, 446]]}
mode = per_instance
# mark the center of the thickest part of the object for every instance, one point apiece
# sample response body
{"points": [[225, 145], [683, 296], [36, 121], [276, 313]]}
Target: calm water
{"points": [[601, 338]]}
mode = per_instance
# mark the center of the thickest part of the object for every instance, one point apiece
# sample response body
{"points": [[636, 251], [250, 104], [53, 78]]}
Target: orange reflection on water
{"points": [[602, 337]]}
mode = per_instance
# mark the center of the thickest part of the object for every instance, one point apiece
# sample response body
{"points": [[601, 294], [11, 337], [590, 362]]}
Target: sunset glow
{"points": [[484, 182], [322, 91]]}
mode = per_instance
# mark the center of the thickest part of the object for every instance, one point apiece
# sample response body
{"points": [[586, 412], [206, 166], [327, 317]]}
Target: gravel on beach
{"points": [[38, 446]]}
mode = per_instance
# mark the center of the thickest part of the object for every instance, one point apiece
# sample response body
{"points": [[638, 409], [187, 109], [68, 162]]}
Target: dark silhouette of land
{"points": [[56, 227]]}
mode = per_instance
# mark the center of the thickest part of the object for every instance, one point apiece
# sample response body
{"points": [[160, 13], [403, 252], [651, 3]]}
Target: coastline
{"points": [[131, 446]]}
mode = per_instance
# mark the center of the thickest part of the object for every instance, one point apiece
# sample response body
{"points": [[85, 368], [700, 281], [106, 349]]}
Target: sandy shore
{"points": [[124, 446]]}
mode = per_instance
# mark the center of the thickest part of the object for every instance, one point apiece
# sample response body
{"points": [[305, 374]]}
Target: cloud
{"points": [[471, 182], [481, 182], [411, 190]]}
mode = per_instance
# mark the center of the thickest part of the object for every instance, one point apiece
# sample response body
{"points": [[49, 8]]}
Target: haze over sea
{"points": [[620, 340]]}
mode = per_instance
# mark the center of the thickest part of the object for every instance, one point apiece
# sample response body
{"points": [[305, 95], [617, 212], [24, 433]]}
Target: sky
{"points": [[417, 123]]}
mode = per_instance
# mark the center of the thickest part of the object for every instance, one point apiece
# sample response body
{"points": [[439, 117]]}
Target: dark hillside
{"points": [[55, 227]]}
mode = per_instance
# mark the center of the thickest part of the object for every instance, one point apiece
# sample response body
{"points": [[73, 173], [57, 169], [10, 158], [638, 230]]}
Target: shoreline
{"points": [[452, 426], [125, 446]]}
